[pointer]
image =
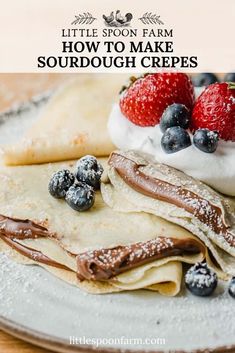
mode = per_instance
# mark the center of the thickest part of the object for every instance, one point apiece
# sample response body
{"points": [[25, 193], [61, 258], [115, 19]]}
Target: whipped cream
{"points": [[215, 169]]}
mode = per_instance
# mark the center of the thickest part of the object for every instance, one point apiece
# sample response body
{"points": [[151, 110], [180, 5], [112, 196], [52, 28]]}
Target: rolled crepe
{"points": [[73, 123], [147, 186], [40, 229]]}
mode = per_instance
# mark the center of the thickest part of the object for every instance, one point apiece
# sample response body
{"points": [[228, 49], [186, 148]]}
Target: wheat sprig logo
{"points": [[150, 18], [85, 18]]}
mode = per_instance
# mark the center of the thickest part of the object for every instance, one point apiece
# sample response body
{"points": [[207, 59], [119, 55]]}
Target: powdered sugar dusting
{"points": [[106, 263], [91, 169], [36, 299], [32, 297], [138, 251], [13, 273], [201, 278], [204, 204]]}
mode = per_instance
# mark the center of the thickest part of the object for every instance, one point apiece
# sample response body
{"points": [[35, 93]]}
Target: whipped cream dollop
{"points": [[215, 169]]}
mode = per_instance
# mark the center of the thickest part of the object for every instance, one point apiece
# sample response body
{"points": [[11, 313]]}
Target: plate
{"points": [[40, 308]]}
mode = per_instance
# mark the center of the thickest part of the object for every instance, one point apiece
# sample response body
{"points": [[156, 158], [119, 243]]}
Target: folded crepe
{"points": [[73, 123], [101, 250], [168, 193]]}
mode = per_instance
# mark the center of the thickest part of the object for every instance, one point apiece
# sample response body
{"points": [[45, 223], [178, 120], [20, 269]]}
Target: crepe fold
{"points": [[73, 123], [101, 250], [154, 188]]}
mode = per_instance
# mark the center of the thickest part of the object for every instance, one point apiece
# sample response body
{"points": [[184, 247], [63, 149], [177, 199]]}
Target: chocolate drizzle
{"points": [[32, 254], [21, 229], [98, 264], [107, 263], [202, 209]]}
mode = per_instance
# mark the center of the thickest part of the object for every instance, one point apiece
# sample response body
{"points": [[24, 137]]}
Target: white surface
{"points": [[32, 297], [206, 167]]}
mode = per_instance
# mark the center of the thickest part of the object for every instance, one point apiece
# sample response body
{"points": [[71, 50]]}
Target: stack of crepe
{"points": [[147, 220]]}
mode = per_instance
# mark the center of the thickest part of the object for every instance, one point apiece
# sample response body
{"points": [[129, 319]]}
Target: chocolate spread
{"points": [[97, 264], [107, 263], [21, 229], [199, 207], [32, 254]]}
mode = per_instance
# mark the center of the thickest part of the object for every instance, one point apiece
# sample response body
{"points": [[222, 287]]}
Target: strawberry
{"points": [[215, 110], [146, 99]]}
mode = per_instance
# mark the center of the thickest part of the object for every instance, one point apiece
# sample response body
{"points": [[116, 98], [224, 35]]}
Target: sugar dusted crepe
{"points": [[73, 123], [100, 250], [166, 192], [147, 220]]}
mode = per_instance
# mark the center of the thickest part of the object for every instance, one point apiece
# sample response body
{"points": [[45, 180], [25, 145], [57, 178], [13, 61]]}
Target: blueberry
{"points": [[89, 171], [80, 197], [204, 79], [206, 140], [175, 139], [229, 77], [175, 115], [60, 183], [231, 288], [201, 280]]}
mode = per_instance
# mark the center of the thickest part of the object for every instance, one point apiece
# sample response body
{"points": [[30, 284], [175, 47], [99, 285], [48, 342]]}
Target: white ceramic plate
{"points": [[42, 309]]}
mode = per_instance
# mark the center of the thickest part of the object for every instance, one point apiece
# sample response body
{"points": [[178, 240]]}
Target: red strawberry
{"points": [[215, 110], [146, 99]]}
